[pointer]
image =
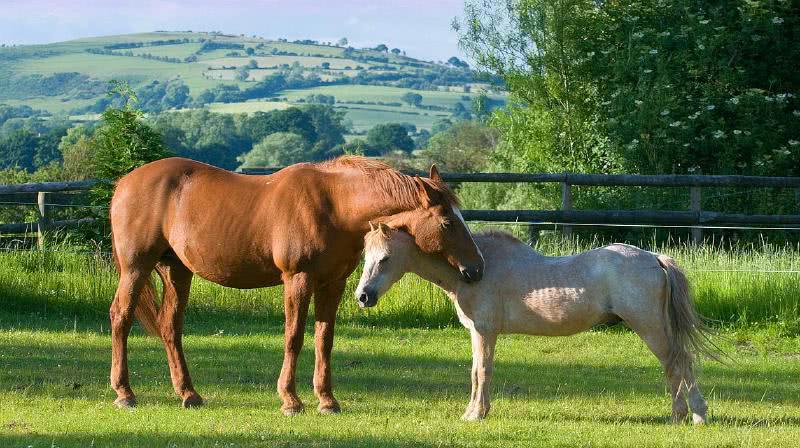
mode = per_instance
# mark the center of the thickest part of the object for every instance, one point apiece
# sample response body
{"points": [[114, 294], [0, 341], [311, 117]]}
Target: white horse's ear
{"points": [[371, 227], [434, 175]]}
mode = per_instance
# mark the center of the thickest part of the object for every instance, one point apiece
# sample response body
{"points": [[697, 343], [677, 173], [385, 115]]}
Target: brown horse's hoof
{"points": [[125, 402], [193, 401], [291, 411], [329, 408]]}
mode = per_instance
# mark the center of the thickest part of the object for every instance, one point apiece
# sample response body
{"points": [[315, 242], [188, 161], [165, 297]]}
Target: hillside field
{"points": [[194, 59]]}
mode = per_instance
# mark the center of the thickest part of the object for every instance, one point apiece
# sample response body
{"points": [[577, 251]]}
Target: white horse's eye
{"points": [[384, 259]]}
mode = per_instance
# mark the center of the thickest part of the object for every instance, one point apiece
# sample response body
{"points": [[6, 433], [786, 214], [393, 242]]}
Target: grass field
{"points": [[401, 369]]}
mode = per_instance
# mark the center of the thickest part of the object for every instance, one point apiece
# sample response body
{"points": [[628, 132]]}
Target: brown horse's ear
{"points": [[383, 228], [425, 197], [435, 173]]}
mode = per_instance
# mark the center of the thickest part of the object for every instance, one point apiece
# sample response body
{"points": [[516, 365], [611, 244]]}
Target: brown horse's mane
{"points": [[393, 184]]}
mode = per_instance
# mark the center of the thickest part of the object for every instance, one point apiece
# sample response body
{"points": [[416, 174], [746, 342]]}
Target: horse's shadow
{"points": [[83, 371]]}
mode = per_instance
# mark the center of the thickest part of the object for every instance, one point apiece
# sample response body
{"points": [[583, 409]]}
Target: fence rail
{"points": [[47, 194]]}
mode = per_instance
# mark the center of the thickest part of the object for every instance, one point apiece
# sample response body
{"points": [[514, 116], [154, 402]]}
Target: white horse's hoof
{"points": [[698, 419]]}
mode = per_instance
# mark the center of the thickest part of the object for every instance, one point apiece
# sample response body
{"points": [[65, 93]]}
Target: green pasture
{"points": [[133, 69], [381, 93], [269, 61], [401, 370]]}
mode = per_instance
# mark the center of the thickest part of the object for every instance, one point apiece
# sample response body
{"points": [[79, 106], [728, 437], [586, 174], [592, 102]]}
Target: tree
{"points": [[396, 51], [294, 120], [389, 137], [123, 141], [412, 99], [535, 46], [78, 149], [458, 63], [464, 147], [326, 65], [243, 74], [382, 48], [252, 64], [250, 51], [329, 126], [275, 150], [343, 42]]}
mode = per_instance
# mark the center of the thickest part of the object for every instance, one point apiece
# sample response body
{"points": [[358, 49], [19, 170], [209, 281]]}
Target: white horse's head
{"points": [[388, 254]]}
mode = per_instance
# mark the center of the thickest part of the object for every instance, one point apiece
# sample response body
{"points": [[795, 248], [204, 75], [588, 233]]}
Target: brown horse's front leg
{"points": [[296, 297], [326, 303]]}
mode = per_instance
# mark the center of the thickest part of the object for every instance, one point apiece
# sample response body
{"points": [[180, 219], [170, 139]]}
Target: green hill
{"points": [[235, 74]]}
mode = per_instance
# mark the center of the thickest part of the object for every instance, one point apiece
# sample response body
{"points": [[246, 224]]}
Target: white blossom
{"points": [[647, 70], [653, 51], [704, 22], [665, 112], [638, 35], [719, 134], [796, 113], [737, 132], [701, 46], [639, 103], [793, 143], [711, 107], [777, 20], [734, 100], [675, 124]]}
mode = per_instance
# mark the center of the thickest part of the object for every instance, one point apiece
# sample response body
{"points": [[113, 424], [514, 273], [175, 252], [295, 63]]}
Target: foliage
{"points": [[464, 147], [77, 150], [123, 142], [412, 98], [534, 46], [389, 137], [30, 148], [277, 150], [695, 87]]}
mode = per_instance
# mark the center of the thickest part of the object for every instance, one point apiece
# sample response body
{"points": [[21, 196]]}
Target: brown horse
{"points": [[303, 226]]}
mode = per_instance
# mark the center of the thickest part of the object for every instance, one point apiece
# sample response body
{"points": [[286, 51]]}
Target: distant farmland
{"points": [[69, 77]]}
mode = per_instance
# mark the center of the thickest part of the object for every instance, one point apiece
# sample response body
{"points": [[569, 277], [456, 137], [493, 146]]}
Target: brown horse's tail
{"points": [[687, 333], [146, 307]]}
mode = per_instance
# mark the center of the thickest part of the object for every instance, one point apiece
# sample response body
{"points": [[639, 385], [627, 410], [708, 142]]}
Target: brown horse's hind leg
{"points": [[177, 281], [296, 297], [131, 284], [326, 303]]}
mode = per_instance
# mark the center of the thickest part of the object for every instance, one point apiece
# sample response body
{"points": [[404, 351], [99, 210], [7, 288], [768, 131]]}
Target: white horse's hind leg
{"points": [[696, 400], [483, 344], [654, 335]]}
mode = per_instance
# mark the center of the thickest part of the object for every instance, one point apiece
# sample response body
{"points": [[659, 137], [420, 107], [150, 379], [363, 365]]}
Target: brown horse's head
{"points": [[439, 229]]}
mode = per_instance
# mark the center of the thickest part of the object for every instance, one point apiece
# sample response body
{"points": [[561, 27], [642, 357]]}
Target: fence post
{"points": [[566, 204], [43, 219], [695, 196]]}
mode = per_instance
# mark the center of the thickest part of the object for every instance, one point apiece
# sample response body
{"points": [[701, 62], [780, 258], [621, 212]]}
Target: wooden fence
{"points": [[46, 194]]}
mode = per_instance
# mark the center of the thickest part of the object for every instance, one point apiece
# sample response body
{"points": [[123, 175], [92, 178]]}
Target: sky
{"points": [[420, 27]]}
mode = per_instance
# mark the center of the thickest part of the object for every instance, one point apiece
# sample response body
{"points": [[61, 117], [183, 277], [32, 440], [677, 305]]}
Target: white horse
{"points": [[525, 292]]}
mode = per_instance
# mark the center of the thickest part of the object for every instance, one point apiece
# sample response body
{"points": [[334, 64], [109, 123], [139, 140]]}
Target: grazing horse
{"points": [[303, 226], [525, 292]]}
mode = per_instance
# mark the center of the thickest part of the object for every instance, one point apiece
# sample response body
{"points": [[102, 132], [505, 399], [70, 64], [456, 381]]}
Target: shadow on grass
{"points": [[68, 368], [212, 440]]}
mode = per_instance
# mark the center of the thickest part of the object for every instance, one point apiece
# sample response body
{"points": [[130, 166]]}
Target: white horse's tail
{"points": [[687, 333]]}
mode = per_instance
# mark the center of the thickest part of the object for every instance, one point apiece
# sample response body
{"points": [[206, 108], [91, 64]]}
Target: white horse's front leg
{"points": [[483, 343]]}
